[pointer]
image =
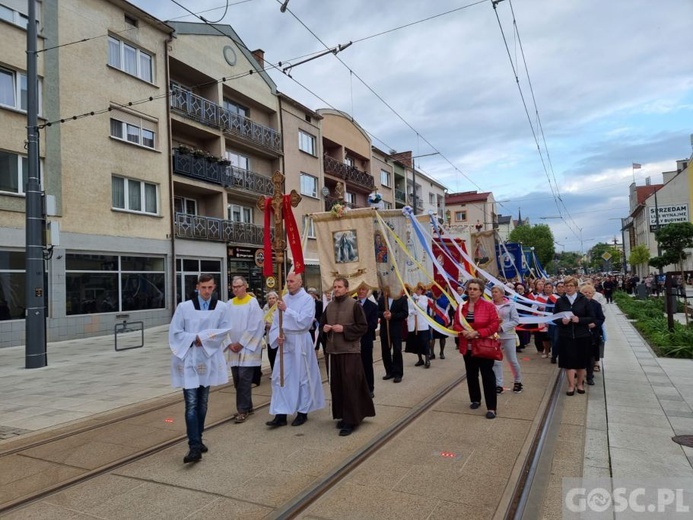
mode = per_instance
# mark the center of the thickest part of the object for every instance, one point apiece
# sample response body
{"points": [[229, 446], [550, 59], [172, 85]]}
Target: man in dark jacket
{"points": [[392, 313], [370, 310]]}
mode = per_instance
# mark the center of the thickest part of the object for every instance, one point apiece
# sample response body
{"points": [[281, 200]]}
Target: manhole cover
{"points": [[685, 440]]}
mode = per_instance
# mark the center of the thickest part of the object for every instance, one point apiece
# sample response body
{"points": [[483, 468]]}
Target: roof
{"points": [[467, 196], [504, 219], [644, 192]]}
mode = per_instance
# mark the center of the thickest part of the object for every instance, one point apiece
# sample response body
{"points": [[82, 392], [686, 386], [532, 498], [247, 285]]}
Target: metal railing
{"points": [[198, 227], [208, 113], [201, 168], [400, 196], [348, 173], [247, 180]]}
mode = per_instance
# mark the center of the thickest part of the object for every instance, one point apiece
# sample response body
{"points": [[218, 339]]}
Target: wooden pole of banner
{"points": [[279, 246]]}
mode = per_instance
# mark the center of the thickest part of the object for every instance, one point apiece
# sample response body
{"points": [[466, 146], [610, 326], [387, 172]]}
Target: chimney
{"points": [[259, 56]]}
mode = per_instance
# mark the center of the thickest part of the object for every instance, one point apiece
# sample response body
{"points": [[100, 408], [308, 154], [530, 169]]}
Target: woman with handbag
{"points": [[477, 322]]}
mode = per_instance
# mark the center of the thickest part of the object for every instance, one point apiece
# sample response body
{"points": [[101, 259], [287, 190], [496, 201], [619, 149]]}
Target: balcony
{"points": [[210, 114], [201, 168], [400, 196], [197, 227], [231, 177], [331, 201], [348, 173]]}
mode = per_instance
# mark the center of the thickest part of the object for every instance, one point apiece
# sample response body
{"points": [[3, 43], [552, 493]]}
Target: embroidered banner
{"points": [[483, 251], [346, 247]]}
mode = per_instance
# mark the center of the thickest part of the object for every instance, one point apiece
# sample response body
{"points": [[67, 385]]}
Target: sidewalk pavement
{"points": [[646, 400]]}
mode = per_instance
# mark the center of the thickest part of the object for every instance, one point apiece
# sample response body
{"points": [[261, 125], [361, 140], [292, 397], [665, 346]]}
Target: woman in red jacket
{"points": [[482, 317]]}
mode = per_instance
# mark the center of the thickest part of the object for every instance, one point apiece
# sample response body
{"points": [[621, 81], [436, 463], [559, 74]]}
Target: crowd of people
{"points": [[208, 338]]}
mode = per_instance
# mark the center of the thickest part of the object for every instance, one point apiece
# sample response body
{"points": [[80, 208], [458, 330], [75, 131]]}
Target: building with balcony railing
{"points": [[229, 132]]}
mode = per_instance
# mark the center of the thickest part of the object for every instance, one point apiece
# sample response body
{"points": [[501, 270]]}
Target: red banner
{"points": [[293, 236], [268, 267]]}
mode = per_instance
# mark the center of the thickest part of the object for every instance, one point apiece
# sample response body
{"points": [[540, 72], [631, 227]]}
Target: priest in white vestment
{"points": [[244, 344], [197, 337], [302, 391]]}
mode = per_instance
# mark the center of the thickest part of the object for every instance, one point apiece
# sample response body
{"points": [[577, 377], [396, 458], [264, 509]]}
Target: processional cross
{"points": [[276, 203]]}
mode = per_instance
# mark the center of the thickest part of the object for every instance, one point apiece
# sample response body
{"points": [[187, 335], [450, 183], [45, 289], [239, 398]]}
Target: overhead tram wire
{"points": [[552, 185], [383, 100]]}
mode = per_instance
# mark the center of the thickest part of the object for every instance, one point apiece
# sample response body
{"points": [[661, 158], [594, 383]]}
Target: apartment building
{"points": [[471, 211], [225, 145], [302, 135], [106, 165], [410, 181]]}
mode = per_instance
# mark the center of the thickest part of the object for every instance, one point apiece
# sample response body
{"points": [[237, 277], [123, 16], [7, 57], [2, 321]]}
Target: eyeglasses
{"points": [[237, 286], [473, 289]]}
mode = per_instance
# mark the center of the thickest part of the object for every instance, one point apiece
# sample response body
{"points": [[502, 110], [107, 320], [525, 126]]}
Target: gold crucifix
{"points": [[278, 246]]}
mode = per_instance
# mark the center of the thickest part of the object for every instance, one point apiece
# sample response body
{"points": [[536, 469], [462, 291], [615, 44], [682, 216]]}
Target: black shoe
{"points": [[300, 419], [553, 361], [570, 393], [433, 356], [203, 448], [590, 382], [474, 405], [580, 391], [372, 395], [419, 363], [442, 356], [279, 420], [398, 379], [387, 376], [346, 430], [517, 388], [194, 455], [499, 390], [427, 364], [340, 424], [490, 414]]}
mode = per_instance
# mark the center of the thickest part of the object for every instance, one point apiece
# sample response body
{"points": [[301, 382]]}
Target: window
{"points": [[309, 226], [14, 172], [13, 90], [113, 283], [460, 216], [387, 205], [306, 143], [240, 213], [134, 130], [130, 59], [238, 160], [184, 205], [14, 17], [136, 196], [432, 199], [235, 108], [349, 198], [385, 178], [309, 185], [12, 283], [349, 161]]}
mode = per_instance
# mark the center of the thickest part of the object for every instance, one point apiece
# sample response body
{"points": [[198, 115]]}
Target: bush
{"points": [[651, 322]]}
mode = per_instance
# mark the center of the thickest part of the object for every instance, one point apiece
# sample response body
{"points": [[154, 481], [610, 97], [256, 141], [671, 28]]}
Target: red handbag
{"points": [[487, 348]]}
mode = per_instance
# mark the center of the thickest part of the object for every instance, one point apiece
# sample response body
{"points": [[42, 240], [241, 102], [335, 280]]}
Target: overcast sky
{"points": [[612, 80]]}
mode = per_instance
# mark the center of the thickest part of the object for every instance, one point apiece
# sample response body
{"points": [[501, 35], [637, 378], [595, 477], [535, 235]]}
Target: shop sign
{"points": [[240, 253]]}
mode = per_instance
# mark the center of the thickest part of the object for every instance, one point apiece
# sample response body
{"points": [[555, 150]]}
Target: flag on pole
{"points": [[637, 166]]}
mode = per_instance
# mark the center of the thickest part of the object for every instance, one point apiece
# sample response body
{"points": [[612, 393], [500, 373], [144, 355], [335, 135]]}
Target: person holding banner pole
{"points": [[392, 313]]}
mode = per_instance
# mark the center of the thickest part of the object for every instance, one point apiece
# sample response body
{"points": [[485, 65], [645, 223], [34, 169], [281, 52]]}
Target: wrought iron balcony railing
{"points": [[348, 173], [201, 168], [198, 227], [400, 196], [208, 113], [228, 176]]}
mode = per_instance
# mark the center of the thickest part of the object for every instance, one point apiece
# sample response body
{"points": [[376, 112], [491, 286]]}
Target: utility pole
{"points": [[35, 319]]}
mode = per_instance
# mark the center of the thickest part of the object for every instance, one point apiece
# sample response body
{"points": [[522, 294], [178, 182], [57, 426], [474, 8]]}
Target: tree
{"points": [[674, 239], [639, 255], [539, 237], [565, 263], [597, 260]]}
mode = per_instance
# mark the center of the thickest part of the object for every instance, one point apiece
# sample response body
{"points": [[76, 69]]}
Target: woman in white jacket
{"points": [[509, 320]]}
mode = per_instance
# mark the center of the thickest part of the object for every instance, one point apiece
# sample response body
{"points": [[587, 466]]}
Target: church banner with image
{"points": [[484, 251], [345, 247]]}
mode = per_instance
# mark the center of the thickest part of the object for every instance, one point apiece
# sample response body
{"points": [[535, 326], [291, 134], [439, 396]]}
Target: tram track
{"points": [[309, 496]]}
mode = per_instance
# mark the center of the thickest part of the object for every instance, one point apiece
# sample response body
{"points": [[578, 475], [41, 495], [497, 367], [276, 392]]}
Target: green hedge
{"points": [[651, 321]]}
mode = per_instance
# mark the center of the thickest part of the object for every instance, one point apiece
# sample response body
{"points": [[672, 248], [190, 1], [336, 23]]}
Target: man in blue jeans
{"points": [[196, 337]]}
